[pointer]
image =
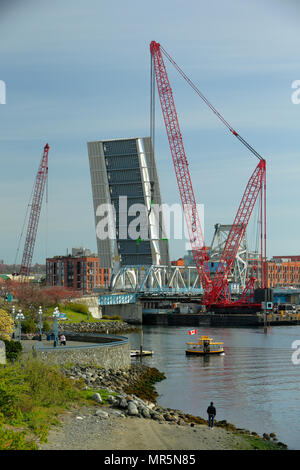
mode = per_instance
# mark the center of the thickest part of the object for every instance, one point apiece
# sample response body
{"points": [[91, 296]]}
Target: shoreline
{"points": [[170, 429], [125, 421]]}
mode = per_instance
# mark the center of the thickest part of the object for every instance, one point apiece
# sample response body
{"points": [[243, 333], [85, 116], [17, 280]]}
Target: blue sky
{"points": [[79, 70]]}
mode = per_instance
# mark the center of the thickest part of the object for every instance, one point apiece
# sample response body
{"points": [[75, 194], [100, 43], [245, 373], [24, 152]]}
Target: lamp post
{"points": [[41, 323], [20, 317], [13, 317], [56, 315]]}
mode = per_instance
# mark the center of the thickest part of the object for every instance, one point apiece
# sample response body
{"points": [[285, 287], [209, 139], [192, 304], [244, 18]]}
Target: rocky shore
{"points": [[110, 327], [139, 379]]}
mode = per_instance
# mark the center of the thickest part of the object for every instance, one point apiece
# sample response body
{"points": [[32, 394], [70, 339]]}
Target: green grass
{"points": [[88, 395], [76, 317], [32, 395], [257, 443]]}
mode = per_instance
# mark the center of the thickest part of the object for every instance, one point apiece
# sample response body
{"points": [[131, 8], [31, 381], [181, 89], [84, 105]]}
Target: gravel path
{"points": [[83, 430]]}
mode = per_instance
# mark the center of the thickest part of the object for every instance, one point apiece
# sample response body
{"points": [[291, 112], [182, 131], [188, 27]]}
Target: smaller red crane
{"points": [[36, 205]]}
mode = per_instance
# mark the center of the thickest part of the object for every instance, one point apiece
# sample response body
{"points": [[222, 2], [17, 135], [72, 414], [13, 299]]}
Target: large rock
{"points": [[123, 403], [132, 409], [101, 414], [2, 353], [97, 397], [146, 413]]}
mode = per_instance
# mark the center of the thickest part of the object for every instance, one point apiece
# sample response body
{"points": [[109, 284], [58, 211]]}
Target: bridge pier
{"points": [[131, 313]]}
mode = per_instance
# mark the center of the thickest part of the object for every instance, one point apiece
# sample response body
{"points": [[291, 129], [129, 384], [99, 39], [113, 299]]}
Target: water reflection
{"points": [[254, 385]]}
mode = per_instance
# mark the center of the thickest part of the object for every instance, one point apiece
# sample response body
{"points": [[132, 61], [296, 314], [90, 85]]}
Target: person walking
{"points": [[211, 411], [62, 340]]}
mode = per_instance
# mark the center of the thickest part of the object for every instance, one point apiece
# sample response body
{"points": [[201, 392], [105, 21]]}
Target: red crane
{"points": [[36, 205], [216, 290], [181, 167], [255, 186]]}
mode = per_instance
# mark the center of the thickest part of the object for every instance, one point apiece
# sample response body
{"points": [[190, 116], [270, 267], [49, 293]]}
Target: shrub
{"points": [[32, 394], [11, 440], [46, 326], [47, 384], [12, 389], [6, 324], [29, 326], [113, 317], [76, 307], [13, 350]]}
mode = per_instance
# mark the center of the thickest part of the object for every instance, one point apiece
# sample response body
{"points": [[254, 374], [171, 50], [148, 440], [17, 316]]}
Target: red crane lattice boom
{"points": [[181, 166], [36, 205], [216, 290], [254, 187]]}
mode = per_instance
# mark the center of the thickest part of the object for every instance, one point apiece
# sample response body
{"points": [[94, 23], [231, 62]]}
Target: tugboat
{"points": [[203, 346]]}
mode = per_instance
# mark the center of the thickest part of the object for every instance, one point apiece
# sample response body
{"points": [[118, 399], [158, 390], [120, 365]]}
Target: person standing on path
{"points": [[62, 340], [211, 411]]}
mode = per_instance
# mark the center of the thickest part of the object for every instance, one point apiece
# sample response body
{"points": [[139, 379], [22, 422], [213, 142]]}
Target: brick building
{"points": [[79, 271], [178, 262], [283, 271]]}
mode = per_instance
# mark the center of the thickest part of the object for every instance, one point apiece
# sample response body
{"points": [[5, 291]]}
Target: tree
{"points": [[31, 296], [6, 325]]}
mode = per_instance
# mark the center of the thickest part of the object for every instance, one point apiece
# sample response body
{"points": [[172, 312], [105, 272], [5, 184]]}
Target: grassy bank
{"points": [[74, 316], [32, 395]]}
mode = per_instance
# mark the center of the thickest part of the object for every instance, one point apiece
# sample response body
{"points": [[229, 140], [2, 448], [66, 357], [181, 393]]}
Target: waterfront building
{"points": [[123, 173], [178, 262], [283, 271]]}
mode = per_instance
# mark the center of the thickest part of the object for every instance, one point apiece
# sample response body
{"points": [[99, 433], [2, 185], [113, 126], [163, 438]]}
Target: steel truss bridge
{"points": [[157, 279], [131, 282]]}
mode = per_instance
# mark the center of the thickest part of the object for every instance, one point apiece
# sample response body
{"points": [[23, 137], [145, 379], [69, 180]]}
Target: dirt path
{"points": [[83, 430]]}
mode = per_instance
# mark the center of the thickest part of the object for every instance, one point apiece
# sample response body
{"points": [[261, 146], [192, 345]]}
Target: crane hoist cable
{"points": [[189, 81]]}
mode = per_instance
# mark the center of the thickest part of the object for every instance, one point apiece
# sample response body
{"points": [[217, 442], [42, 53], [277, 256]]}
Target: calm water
{"points": [[254, 385]]}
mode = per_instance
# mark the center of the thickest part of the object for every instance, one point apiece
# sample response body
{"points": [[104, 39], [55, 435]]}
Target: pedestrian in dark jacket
{"points": [[211, 411]]}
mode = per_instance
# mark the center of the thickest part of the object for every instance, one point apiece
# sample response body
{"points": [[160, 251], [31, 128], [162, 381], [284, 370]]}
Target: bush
{"points": [[46, 326], [29, 326], [12, 389], [76, 307], [6, 324], [11, 440], [32, 394], [13, 350], [47, 384], [114, 317]]}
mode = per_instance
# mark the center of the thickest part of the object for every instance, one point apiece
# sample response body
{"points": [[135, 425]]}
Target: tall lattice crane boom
{"points": [[181, 166], [216, 290], [36, 205]]}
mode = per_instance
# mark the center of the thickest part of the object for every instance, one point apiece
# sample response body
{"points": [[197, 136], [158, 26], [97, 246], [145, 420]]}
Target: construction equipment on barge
{"points": [[216, 290]]}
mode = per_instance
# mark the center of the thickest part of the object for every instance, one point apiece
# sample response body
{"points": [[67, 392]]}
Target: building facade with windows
{"points": [[79, 272], [283, 271], [124, 176]]}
